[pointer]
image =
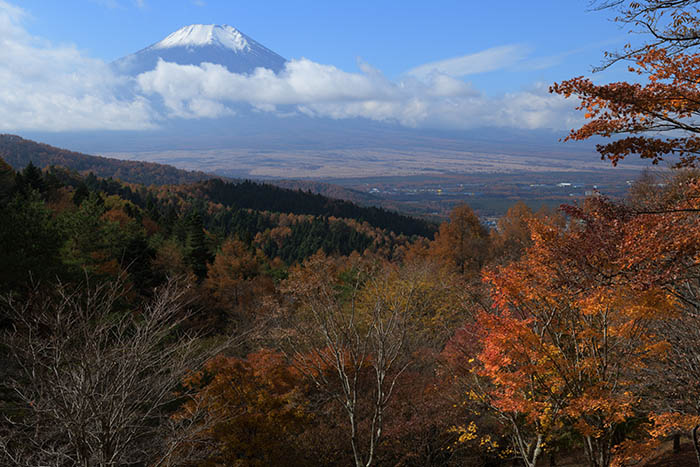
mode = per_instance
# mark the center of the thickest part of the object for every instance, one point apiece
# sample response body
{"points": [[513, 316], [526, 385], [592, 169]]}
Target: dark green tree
{"points": [[197, 252], [80, 194], [31, 178], [29, 242]]}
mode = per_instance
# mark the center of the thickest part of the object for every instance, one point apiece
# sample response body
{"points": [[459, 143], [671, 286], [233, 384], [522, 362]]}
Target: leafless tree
{"points": [[353, 329], [94, 380]]}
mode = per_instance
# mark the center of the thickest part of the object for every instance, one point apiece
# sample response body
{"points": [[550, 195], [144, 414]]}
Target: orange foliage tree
{"points": [[570, 335], [663, 250], [667, 99], [244, 412], [231, 277]]}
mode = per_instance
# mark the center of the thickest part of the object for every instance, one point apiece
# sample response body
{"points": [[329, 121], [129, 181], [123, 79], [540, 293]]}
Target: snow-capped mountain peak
{"points": [[199, 43], [198, 35]]}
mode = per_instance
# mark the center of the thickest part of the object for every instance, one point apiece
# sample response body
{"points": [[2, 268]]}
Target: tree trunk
{"points": [[677, 443], [598, 451], [695, 442]]}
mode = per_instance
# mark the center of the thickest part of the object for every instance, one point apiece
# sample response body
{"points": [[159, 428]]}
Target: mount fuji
{"points": [[199, 43]]}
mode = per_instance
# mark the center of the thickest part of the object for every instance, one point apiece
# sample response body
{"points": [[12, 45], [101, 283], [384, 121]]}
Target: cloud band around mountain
{"points": [[438, 100]]}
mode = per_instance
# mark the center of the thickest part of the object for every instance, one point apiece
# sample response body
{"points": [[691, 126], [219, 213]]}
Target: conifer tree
{"points": [[197, 254]]}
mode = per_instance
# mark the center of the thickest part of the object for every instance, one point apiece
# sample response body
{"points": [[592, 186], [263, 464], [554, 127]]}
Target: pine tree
{"points": [[197, 254], [31, 179]]}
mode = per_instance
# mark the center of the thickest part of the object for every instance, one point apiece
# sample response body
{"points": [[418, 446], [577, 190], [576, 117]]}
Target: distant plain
{"points": [[420, 180]]}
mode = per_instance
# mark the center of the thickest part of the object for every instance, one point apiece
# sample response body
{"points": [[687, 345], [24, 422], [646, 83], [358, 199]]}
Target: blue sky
{"points": [[557, 38], [495, 58]]}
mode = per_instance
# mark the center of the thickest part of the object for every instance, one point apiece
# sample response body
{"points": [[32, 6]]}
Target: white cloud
{"points": [[57, 88], [495, 58], [10, 18]]}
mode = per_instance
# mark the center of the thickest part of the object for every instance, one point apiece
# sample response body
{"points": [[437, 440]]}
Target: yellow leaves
{"points": [[471, 395], [488, 443], [469, 435], [466, 434], [547, 416]]}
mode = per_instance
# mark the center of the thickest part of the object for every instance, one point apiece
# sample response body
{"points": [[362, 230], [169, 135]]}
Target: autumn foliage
{"points": [[665, 99]]}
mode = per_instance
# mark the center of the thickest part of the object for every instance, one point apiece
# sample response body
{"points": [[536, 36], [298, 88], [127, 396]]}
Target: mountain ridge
{"points": [[18, 152]]}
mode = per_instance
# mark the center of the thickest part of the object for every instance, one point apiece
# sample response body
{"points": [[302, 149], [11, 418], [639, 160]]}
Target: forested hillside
{"points": [[18, 152], [225, 274], [263, 197], [262, 217]]}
